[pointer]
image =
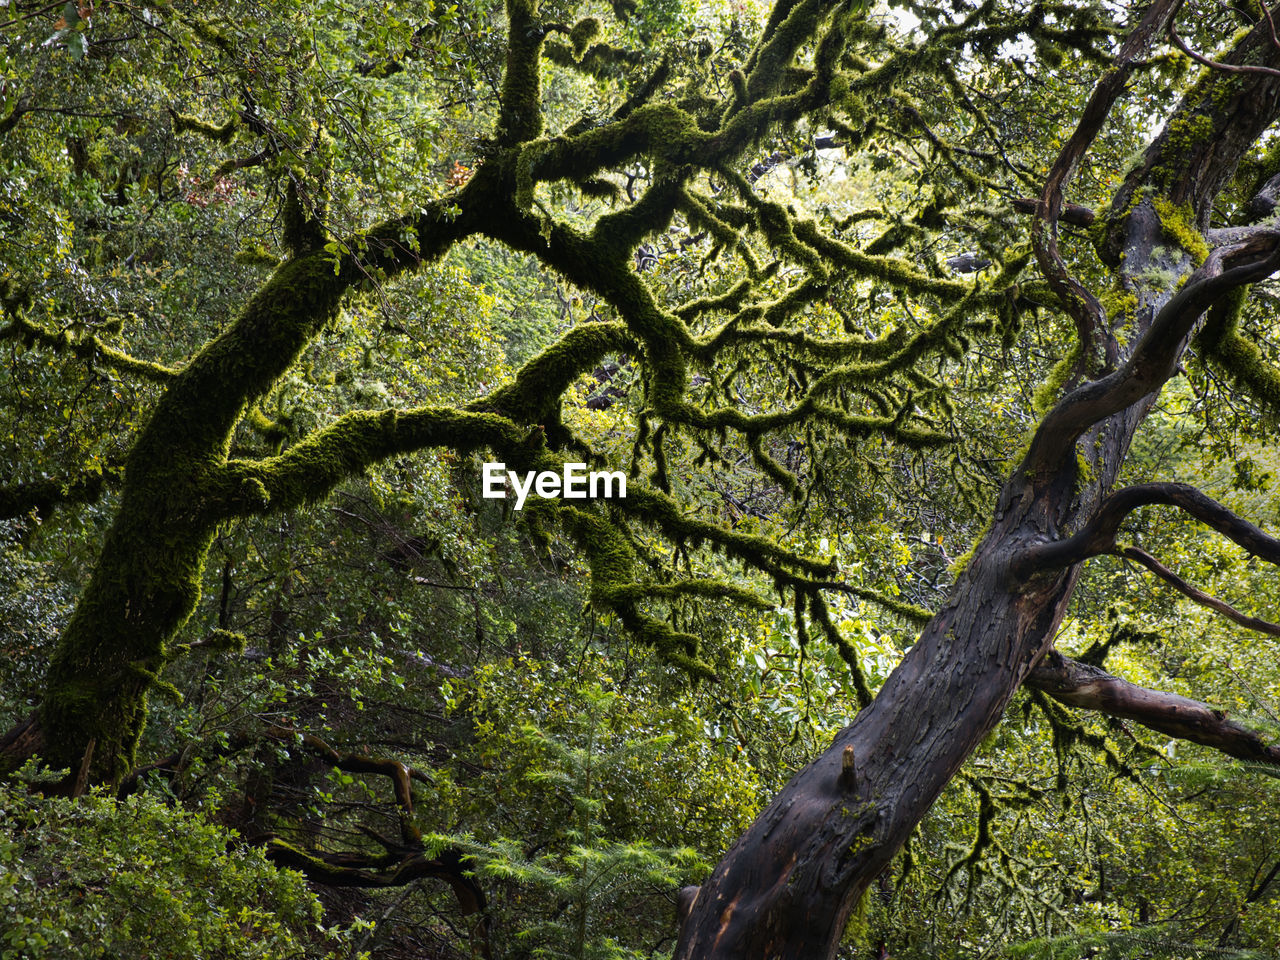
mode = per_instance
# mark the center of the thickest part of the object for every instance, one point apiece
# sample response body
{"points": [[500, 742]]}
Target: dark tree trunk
{"points": [[786, 889]]}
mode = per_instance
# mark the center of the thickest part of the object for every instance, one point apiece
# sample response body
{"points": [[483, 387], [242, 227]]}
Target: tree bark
{"points": [[787, 887]]}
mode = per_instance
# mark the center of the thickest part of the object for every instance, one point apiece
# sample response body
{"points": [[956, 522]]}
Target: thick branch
{"points": [[1098, 536], [521, 116], [311, 468], [245, 361], [539, 387], [1090, 688], [1221, 117], [401, 863], [356, 870]]}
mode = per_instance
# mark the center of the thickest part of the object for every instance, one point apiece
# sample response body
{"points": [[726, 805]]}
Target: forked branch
{"points": [[1084, 307], [1155, 358]]}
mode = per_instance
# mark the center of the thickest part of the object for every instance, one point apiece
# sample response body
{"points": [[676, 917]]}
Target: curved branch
{"points": [[540, 385], [1091, 688], [600, 60], [1199, 596], [401, 863], [665, 513], [399, 773], [357, 870], [1155, 357], [1098, 536], [1225, 67], [311, 468]]}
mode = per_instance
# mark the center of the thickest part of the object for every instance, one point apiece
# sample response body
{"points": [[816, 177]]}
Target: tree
{"points": [[763, 351]]}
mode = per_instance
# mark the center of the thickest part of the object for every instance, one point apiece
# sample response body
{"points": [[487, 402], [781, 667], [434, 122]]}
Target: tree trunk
{"points": [[147, 579], [787, 887]]}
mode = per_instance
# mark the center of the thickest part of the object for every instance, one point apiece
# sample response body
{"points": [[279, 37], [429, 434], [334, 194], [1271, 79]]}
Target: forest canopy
{"points": [[936, 346]]}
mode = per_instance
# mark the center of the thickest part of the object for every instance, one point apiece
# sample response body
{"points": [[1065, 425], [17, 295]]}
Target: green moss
{"points": [[761, 552], [1047, 393], [529, 154], [256, 255], [222, 133], [539, 386], [1121, 306], [894, 272], [1177, 223], [520, 119], [90, 348], [583, 32], [778, 47], [818, 609], [1185, 132], [611, 559], [271, 431], [1237, 355], [1085, 477], [774, 470]]}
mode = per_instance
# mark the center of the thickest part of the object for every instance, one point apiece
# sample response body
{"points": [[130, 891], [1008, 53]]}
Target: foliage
{"points": [[612, 790], [143, 878]]}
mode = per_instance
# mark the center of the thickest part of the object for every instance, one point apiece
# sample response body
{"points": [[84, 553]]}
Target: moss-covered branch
{"points": [[312, 467], [42, 496], [219, 133], [673, 136], [538, 388], [885, 269], [1236, 355], [520, 118], [611, 560], [88, 347], [604, 61], [661, 511]]}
